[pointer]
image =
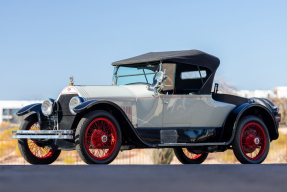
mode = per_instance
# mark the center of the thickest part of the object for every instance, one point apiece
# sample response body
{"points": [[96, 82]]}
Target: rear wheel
{"points": [[186, 156], [98, 138], [32, 151], [251, 143]]}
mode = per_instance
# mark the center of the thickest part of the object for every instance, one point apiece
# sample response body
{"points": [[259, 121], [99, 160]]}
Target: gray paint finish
{"points": [[146, 110]]}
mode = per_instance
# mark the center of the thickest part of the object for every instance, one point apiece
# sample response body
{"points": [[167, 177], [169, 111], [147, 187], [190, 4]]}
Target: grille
{"points": [[63, 103], [65, 117]]}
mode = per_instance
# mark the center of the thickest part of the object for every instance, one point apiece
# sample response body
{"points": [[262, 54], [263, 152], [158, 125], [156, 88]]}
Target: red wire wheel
{"points": [[101, 138], [32, 151], [189, 154], [36, 150], [253, 141]]}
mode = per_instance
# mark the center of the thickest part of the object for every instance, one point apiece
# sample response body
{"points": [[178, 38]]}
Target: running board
{"points": [[42, 134], [189, 144]]}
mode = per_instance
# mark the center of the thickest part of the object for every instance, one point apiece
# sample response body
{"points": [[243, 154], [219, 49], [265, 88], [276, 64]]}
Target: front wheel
{"points": [[186, 156], [251, 143], [32, 151], [98, 138]]}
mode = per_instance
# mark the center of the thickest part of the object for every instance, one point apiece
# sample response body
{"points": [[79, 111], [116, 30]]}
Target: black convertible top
{"points": [[193, 57]]}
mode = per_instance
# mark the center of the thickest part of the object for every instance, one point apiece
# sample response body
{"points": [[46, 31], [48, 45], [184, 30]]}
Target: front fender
{"points": [[119, 114], [33, 108], [86, 105], [36, 107], [230, 125]]}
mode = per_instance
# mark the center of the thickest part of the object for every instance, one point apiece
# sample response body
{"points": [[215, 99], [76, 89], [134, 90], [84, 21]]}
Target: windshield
{"points": [[135, 74]]}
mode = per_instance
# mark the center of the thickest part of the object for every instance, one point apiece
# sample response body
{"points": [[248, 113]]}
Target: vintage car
{"points": [[156, 100]]}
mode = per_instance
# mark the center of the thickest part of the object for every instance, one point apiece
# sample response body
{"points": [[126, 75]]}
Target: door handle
{"points": [[165, 102]]}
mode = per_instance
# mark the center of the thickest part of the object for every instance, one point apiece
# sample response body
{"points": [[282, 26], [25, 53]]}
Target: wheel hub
{"points": [[251, 143], [99, 138], [256, 140], [104, 138]]}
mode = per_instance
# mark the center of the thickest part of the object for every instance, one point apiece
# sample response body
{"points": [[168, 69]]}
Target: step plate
{"points": [[168, 136]]}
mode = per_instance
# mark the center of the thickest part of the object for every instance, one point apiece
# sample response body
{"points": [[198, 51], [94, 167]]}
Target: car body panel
{"points": [[194, 111], [146, 110]]}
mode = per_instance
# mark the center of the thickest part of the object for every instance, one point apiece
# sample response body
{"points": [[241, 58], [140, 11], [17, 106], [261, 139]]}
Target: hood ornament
{"points": [[71, 81]]}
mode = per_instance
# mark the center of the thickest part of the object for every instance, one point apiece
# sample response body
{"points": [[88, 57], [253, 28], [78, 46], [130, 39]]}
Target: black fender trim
{"points": [[33, 108], [86, 105], [36, 107], [230, 124], [126, 126]]}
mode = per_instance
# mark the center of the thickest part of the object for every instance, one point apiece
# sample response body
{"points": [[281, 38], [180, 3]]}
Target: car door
{"points": [[194, 111]]}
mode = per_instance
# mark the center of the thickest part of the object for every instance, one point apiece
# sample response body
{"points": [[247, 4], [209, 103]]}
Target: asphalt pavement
{"points": [[123, 178]]}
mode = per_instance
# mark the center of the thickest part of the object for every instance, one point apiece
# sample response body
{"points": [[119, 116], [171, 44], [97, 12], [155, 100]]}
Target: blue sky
{"points": [[42, 43]]}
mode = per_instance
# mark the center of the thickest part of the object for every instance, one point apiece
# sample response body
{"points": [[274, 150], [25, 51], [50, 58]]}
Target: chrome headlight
{"points": [[74, 102], [47, 107]]}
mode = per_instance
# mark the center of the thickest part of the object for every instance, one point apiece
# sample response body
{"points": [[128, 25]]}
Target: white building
{"points": [[280, 92], [8, 110], [256, 93]]}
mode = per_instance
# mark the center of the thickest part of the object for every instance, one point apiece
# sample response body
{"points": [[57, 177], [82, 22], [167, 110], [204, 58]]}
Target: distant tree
{"points": [[224, 87]]}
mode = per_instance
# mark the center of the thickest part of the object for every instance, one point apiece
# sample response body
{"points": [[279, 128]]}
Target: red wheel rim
{"points": [[253, 141], [189, 154], [37, 151], [101, 138]]}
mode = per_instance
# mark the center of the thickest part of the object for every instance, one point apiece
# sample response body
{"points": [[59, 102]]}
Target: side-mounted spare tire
{"points": [[98, 138]]}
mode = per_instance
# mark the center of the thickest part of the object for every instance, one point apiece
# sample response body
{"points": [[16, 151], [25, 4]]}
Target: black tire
{"points": [[26, 151], [245, 143], [82, 141], [184, 159]]}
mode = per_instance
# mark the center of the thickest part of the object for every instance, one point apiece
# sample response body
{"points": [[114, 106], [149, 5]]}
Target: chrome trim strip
{"points": [[42, 132], [42, 136]]}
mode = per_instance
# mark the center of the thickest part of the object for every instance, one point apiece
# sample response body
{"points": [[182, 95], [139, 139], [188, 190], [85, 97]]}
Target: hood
{"points": [[108, 91], [100, 92]]}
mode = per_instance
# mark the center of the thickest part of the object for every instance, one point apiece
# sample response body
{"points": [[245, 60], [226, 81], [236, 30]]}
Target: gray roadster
{"points": [[156, 100]]}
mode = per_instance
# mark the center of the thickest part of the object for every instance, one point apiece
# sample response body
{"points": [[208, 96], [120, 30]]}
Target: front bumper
{"points": [[42, 134]]}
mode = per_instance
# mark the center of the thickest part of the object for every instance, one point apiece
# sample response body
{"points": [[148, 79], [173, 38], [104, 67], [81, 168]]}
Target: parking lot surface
{"points": [[123, 178]]}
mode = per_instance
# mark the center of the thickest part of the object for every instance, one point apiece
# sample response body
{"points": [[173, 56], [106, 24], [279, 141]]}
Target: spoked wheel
{"points": [[32, 151], [99, 138], [35, 149], [186, 156], [251, 143]]}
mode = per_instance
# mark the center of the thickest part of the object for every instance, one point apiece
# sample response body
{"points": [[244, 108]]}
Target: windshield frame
{"points": [[115, 76]]}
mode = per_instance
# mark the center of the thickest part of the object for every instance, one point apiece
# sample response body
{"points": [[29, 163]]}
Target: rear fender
{"points": [[260, 111]]}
